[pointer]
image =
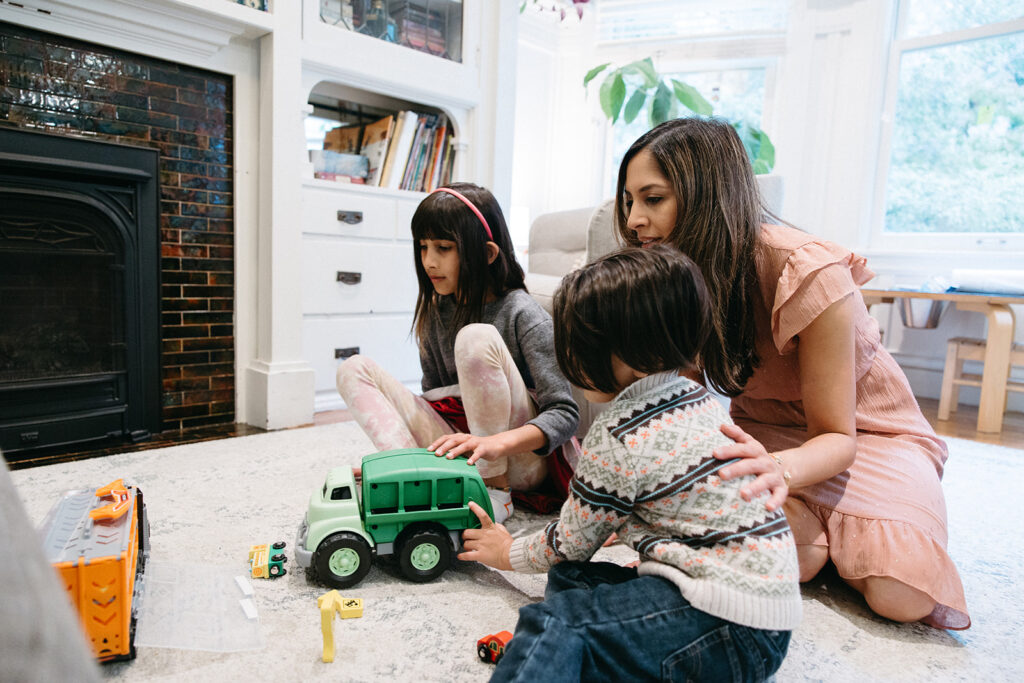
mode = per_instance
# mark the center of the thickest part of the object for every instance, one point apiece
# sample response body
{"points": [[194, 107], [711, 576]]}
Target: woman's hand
{"points": [[489, 544], [454, 445], [755, 460]]}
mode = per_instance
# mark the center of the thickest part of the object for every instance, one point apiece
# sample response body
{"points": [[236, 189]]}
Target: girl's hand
{"points": [[454, 445], [756, 460], [489, 544]]}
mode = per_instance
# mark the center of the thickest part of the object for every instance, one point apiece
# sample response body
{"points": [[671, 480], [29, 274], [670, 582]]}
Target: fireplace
{"points": [[79, 292]]}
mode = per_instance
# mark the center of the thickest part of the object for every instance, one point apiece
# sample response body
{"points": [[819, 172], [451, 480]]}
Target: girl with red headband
{"points": [[492, 389]]}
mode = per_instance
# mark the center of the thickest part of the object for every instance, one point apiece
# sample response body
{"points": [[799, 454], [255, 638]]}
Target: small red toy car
{"points": [[491, 648]]}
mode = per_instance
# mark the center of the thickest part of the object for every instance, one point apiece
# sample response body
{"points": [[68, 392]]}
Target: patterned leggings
{"points": [[493, 394]]}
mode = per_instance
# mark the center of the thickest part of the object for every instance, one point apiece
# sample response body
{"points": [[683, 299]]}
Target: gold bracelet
{"points": [[786, 476]]}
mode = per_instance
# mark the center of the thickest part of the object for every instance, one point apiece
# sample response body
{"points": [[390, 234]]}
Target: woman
{"points": [[823, 411]]}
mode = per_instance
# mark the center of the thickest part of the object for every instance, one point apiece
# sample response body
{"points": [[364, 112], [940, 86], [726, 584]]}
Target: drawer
{"points": [[377, 278], [403, 225], [360, 215], [385, 339]]}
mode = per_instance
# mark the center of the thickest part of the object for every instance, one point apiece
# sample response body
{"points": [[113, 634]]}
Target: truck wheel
{"points": [[425, 555], [483, 653], [342, 560]]}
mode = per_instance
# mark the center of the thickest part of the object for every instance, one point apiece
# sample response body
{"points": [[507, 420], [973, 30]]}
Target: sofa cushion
{"points": [[558, 241], [601, 235]]}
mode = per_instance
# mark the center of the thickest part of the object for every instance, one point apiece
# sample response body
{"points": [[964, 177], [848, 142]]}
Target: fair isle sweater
{"points": [[647, 473]]}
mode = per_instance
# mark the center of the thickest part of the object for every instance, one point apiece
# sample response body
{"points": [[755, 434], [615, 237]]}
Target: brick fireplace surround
{"points": [[65, 86]]}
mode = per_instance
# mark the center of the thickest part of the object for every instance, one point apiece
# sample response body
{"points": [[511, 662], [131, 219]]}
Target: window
{"points": [[736, 94], [727, 51], [952, 167], [632, 20]]}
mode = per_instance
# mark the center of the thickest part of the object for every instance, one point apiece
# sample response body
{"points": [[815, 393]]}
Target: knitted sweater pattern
{"points": [[648, 473]]}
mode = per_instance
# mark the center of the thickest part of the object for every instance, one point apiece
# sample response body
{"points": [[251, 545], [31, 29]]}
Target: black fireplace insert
{"points": [[79, 292]]}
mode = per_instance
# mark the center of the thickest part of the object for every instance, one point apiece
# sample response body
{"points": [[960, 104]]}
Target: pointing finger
{"points": [[485, 521]]}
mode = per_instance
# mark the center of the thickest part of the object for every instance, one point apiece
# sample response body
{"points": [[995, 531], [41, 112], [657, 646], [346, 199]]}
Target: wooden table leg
{"points": [[998, 344]]}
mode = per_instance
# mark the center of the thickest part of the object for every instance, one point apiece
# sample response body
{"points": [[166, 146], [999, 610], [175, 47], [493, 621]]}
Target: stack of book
{"points": [[404, 151]]}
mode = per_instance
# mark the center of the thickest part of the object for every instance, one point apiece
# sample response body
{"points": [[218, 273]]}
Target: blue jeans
{"points": [[603, 622]]}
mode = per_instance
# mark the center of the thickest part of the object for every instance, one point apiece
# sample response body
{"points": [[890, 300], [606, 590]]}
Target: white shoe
{"points": [[501, 502]]}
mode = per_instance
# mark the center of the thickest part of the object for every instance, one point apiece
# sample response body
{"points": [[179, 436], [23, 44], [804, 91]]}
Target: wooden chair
{"points": [[960, 349]]}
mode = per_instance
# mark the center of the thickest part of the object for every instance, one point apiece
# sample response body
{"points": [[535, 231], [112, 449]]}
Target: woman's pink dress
{"points": [[885, 515]]}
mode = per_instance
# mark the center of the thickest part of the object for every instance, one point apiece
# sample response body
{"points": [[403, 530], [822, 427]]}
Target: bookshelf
{"points": [[382, 142], [358, 280], [430, 26]]}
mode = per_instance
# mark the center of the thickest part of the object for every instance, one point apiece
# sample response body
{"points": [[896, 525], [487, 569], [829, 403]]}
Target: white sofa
{"points": [[562, 241]]}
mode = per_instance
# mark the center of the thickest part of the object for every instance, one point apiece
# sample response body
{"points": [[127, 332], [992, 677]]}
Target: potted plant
{"points": [[627, 90]]}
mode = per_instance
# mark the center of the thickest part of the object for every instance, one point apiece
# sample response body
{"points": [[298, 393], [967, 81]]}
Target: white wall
{"points": [[825, 118], [558, 153]]}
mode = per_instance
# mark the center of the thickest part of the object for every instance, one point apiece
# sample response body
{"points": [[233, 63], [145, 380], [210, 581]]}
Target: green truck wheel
{"points": [[425, 555], [342, 560]]}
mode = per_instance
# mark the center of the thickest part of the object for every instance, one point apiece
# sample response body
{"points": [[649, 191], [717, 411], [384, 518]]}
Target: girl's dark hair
{"points": [[442, 216], [648, 306], [718, 223]]}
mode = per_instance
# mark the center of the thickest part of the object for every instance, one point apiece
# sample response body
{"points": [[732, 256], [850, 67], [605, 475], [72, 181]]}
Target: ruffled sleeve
{"points": [[814, 276]]}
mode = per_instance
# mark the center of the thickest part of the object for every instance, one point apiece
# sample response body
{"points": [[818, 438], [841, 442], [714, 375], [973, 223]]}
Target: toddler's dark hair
{"points": [[648, 306]]}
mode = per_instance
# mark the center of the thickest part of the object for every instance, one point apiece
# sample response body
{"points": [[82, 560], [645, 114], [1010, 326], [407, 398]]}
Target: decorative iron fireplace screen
{"points": [[79, 288]]}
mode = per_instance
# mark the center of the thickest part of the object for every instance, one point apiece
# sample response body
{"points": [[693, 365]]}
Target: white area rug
{"points": [[209, 502]]}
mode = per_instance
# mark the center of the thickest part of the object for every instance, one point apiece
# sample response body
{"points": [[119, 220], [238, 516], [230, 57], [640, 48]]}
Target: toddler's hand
{"points": [[489, 544]]}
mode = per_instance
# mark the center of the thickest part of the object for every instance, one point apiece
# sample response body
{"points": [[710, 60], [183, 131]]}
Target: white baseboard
{"points": [[331, 400]]}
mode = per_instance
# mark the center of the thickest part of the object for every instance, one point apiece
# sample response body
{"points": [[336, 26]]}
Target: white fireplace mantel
{"points": [[273, 383], [168, 29]]}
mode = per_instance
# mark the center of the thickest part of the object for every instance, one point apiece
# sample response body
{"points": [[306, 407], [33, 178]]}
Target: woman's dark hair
{"points": [[442, 216], [718, 223], [648, 306]]}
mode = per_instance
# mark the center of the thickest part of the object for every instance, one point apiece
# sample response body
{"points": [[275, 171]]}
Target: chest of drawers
{"points": [[358, 282]]}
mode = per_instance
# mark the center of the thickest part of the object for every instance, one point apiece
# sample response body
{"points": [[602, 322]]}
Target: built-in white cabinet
{"points": [[358, 279]]}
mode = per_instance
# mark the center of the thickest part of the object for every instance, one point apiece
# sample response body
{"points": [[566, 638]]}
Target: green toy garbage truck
{"points": [[409, 503]]}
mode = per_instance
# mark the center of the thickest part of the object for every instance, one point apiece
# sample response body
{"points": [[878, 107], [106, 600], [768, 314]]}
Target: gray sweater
{"points": [[529, 335]]}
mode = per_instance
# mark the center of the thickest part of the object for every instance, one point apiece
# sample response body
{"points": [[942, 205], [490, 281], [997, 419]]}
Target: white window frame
{"points": [[1005, 246]]}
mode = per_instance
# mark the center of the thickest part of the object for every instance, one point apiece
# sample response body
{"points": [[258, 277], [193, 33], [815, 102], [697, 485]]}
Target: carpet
{"points": [[209, 502]]}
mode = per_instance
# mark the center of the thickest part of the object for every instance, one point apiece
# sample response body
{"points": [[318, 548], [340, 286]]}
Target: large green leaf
{"points": [[613, 93], [691, 99], [766, 152], [661, 104], [594, 72], [759, 147], [645, 67], [750, 141], [634, 105]]}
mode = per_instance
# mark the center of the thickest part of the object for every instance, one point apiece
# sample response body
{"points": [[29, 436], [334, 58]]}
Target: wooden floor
{"points": [[961, 425]]}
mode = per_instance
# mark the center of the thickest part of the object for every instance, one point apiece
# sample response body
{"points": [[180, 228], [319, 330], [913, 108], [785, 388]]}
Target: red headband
{"points": [[472, 208]]}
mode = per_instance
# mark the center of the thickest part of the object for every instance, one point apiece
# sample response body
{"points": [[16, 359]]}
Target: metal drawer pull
{"points": [[349, 278], [346, 352], [350, 217]]}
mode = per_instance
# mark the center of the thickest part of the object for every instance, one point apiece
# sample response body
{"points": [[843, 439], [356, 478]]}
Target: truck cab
{"points": [[410, 503]]}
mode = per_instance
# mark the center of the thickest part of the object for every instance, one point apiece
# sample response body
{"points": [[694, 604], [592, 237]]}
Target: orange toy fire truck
{"points": [[95, 540]]}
